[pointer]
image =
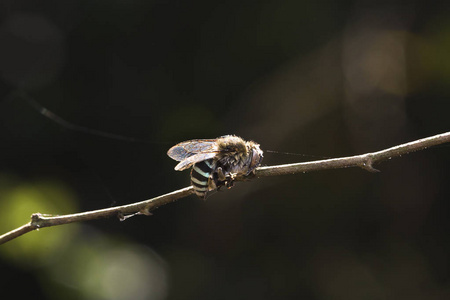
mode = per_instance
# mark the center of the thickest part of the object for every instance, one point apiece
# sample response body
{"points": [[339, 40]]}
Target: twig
{"points": [[123, 212], [365, 161]]}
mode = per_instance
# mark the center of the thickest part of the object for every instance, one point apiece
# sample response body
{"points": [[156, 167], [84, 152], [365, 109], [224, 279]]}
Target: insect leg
{"points": [[220, 174]]}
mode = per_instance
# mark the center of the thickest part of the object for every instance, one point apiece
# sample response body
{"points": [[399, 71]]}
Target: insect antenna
{"points": [[79, 128], [297, 154]]}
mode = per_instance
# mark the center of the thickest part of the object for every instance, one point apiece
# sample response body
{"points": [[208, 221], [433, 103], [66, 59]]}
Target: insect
{"points": [[216, 162]]}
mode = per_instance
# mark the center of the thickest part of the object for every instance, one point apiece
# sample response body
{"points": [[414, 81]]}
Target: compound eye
{"points": [[256, 160]]}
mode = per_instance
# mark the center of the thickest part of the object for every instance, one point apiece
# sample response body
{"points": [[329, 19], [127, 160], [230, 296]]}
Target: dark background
{"points": [[322, 78]]}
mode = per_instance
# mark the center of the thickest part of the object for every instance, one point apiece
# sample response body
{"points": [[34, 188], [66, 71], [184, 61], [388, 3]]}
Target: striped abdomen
{"points": [[200, 177]]}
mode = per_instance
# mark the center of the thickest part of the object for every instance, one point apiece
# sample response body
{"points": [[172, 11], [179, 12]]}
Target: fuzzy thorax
{"points": [[237, 156]]}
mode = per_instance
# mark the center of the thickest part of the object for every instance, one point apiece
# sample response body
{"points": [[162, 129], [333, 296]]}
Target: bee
{"points": [[216, 162]]}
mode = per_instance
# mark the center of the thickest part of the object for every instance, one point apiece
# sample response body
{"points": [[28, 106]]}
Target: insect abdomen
{"points": [[200, 175]]}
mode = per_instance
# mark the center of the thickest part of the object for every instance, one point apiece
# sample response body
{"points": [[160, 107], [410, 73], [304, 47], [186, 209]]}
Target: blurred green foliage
{"points": [[18, 201]]}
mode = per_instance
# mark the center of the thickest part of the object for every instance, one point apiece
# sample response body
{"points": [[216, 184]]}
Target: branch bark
{"points": [[365, 161]]}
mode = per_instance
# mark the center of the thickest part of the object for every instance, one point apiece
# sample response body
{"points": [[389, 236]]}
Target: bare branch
{"points": [[364, 161], [145, 207], [123, 212], [16, 233]]}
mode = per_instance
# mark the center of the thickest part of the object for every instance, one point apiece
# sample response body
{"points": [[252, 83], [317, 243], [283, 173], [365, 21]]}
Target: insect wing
{"points": [[186, 163], [190, 148]]}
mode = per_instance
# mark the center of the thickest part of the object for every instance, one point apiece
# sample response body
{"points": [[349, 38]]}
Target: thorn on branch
{"points": [[122, 217], [146, 212], [367, 164]]}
